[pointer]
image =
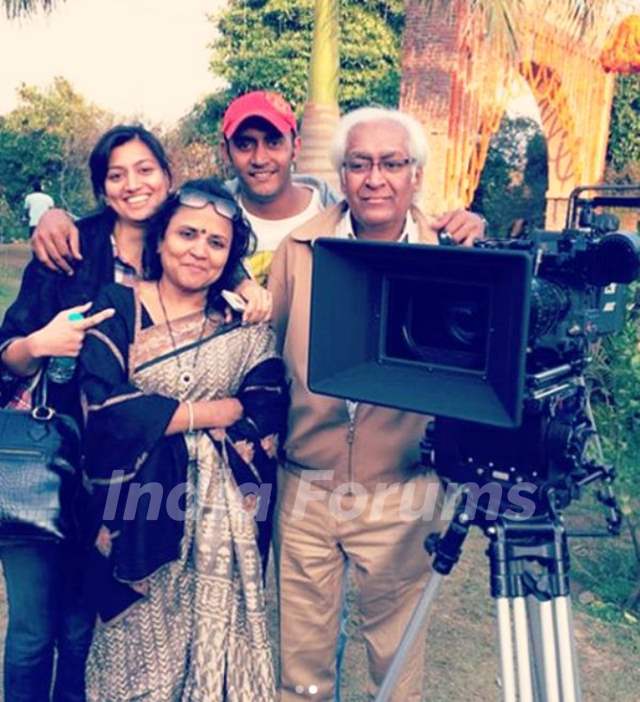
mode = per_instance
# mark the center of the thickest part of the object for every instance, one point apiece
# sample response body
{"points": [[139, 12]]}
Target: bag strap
{"points": [[41, 410]]}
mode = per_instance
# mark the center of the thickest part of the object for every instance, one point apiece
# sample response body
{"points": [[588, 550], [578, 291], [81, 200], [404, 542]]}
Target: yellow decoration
{"points": [[259, 265], [621, 53]]}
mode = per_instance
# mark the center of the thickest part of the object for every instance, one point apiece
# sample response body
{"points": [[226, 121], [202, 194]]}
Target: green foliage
{"points": [[624, 137], [514, 179], [369, 60], [614, 378], [266, 44], [615, 373], [24, 158], [28, 156], [12, 225], [202, 123], [70, 126], [47, 137]]}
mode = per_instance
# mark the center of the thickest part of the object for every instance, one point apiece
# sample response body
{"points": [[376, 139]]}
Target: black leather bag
{"points": [[39, 460]]}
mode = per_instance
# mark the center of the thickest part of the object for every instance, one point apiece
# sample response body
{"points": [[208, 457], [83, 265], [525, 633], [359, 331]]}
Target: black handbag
{"points": [[39, 459]]}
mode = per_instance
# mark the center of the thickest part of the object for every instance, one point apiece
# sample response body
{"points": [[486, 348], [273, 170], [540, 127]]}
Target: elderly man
{"points": [[351, 488]]}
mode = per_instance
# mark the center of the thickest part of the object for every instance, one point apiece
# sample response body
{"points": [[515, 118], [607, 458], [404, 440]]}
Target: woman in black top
{"points": [[131, 178]]}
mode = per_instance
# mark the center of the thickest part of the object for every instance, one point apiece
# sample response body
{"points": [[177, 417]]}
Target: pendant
{"points": [[185, 380]]}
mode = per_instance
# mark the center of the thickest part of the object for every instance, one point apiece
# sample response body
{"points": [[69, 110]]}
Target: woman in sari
{"points": [[184, 412]]}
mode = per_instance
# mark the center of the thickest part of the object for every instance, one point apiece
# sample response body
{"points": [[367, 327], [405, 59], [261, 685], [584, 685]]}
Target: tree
{"points": [[514, 179], [71, 126], [20, 8], [24, 158], [27, 157], [623, 153], [48, 138], [266, 44]]}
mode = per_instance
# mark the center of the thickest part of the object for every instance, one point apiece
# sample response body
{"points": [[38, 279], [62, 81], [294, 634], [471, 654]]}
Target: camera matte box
{"points": [[430, 329]]}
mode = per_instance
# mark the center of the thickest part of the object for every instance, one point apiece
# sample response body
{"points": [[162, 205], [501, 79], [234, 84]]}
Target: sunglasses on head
{"points": [[199, 199]]}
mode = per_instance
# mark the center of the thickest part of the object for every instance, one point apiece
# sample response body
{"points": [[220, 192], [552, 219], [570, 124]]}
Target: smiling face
{"points": [[261, 157], [135, 184], [379, 197], [195, 248]]}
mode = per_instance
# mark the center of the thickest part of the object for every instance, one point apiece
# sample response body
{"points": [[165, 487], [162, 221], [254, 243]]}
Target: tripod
{"points": [[529, 572], [537, 654], [528, 557], [537, 608]]}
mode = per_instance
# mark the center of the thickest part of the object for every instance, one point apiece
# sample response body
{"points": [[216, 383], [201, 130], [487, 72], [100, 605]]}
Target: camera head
{"points": [[465, 333]]}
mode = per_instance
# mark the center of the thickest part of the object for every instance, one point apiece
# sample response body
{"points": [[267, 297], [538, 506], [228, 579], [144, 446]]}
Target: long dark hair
{"points": [[117, 136], [243, 241]]}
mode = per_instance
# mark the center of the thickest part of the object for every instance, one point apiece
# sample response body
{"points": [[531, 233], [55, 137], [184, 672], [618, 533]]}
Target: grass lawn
{"points": [[13, 258]]}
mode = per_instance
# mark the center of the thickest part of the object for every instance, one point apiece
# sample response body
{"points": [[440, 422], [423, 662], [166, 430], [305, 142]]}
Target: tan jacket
{"points": [[381, 445]]}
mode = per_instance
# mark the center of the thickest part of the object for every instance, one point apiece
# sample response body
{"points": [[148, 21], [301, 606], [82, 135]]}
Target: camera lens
{"points": [[615, 259], [549, 304]]}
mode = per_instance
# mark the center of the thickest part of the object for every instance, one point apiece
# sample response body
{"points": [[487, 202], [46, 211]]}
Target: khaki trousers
{"points": [[381, 535]]}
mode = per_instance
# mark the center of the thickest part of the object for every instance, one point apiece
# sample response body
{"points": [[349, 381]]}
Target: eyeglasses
{"points": [[387, 166], [199, 199]]}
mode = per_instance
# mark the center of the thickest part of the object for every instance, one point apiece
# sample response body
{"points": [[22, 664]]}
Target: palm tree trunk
{"points": [[321, 112]]}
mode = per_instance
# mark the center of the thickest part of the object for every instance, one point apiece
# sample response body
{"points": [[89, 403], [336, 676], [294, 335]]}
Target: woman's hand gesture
{"points": [[63, 336]]}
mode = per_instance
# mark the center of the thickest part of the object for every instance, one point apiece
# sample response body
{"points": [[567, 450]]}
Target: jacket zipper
{"points": [[351, 432]]}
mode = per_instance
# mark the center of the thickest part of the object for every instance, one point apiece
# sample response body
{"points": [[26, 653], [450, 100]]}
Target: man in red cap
{"points": [[261, 144]]}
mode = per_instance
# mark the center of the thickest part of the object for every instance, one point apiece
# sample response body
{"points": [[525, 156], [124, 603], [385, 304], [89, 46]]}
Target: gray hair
{"points": [[364, 115]]}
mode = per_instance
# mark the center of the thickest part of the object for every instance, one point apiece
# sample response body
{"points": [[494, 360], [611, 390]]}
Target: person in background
{"points": [[352, 449], [36, 203], [181, 401]]}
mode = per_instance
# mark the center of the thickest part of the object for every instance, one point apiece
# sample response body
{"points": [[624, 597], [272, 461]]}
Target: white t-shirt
{"points": [[37, 204], [270, 232]]}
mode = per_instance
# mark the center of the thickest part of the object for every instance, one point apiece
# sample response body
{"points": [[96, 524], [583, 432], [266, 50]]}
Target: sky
{"points": [[146, 59], [142, 58]]}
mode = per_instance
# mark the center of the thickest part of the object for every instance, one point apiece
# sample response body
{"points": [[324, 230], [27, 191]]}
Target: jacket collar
{"points": [[325, 224]]}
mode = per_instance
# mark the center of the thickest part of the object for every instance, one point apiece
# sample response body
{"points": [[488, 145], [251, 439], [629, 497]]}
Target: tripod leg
{"points": [[525, 687], [566, 650], [413, 629], [506, 650], [544, 656]]}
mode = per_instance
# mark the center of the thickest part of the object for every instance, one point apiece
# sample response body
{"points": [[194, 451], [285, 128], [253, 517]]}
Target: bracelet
{"points": [[191, 419]]}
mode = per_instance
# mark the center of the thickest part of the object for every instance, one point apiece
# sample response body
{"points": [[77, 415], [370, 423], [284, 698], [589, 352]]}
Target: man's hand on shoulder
{"points": [[463, 226], [56, 241], [259, 302]]}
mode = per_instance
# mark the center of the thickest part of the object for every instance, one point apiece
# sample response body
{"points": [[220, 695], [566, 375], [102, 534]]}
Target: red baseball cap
{"points": [[259, 103]]}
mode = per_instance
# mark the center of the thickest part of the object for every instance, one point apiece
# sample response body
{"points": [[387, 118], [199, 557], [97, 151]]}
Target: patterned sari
{"points": [[183, 621]]}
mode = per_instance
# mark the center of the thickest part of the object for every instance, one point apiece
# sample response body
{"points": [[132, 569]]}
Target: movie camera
{"points": [[494, 341]]}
